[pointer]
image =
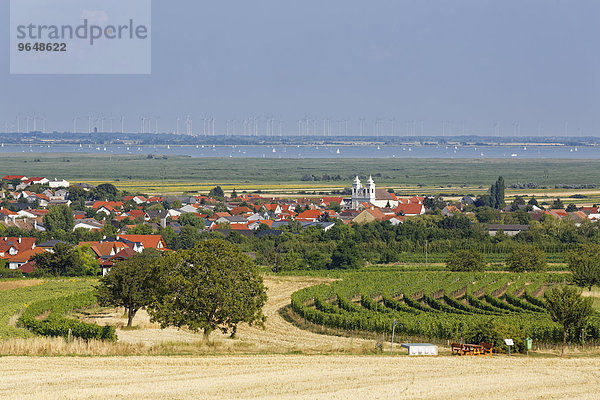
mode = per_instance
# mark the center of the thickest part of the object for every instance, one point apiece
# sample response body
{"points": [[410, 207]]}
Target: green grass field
{"points": [[178, 174]]}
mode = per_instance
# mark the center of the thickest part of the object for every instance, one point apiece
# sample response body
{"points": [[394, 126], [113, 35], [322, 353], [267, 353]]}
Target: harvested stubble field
{"points": [[299, 377]]}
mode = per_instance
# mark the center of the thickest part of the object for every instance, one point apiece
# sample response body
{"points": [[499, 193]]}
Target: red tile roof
{"points": [[113, 204], [410, 209], [28, 267], [121, 255], [240, 210], [310, 214], [26, 255], [6, 243], [149, 241]]}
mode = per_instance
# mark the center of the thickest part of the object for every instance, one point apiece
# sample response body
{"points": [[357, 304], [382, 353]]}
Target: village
{"points": [[115, 227]]}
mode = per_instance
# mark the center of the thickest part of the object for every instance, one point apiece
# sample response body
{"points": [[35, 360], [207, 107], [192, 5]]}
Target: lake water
{"points": [[358, 151]]}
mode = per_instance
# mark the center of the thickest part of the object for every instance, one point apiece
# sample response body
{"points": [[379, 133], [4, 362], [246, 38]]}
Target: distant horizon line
{"points": [[532, 138]]}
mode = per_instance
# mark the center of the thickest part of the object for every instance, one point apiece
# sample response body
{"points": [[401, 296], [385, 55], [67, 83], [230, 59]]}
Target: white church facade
{"points": [[370, 194]]}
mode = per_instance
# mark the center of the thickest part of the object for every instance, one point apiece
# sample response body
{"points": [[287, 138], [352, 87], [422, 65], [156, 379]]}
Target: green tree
{"points": [[216, 193], [567, 307], [497, 193], [59, 218], [234, 194], [76, 193], [584, 263], [465, 260], [221, 207], [490, 330], [130, 283], [434, 203], [526, 258], [345, 256], [191, 219], [488, 215], [140, 229], [558, 205], [485, 200], [212, 286], [176, 204], [571, 208], [88, 265], [106, 191], [188, 238], [533, 202], [63, 261]]}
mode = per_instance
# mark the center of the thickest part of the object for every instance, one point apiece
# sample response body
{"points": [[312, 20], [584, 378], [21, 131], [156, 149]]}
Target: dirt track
{"points": [[278, 336]]}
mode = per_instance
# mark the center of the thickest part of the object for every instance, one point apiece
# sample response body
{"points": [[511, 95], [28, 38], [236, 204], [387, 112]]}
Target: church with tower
{"points": [[370, 194]]}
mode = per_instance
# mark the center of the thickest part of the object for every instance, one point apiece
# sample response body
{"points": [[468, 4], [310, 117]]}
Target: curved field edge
{"points": [[14, 302], [55, 324], [434, 306]]}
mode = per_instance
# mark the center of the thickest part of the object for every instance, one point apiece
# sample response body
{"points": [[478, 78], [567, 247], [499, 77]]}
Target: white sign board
{"points": [[509, 342]]}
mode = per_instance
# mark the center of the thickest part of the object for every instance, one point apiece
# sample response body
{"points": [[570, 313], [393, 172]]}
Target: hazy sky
{"points": [[478, 62]]}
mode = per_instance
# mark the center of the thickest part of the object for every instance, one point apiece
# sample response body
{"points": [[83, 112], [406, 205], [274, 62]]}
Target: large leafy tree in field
{"points": [[130, 283], [584, 263], [212, 286], [567, 307]]}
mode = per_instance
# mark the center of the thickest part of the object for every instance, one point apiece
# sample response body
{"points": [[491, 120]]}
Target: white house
{"points": [[56, 183]]}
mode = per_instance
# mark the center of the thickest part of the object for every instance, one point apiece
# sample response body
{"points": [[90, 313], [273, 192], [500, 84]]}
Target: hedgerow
{"points": [[56, 324]]}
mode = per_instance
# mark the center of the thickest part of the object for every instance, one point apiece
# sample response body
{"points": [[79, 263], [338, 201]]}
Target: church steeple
{"points": [[356, 186], [370, 189]]}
